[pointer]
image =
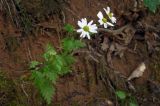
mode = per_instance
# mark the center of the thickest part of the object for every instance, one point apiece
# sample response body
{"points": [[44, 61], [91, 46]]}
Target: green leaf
{"points": [[44, 85], [33, 64], [133, 104], [37, 77], [49, 52], [50, 74], [69, 59], [121, 94], [47, 90], [133, 101], [58, 64], [54, 65], [70, 44], [152, 4], [59, 60], [69, 28], [65, 70]]}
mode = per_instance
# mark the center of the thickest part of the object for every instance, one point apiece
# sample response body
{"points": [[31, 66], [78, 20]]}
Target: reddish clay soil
{"points": [[87, 84]]}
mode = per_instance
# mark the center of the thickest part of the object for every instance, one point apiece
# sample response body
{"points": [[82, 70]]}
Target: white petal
{"points": [[84, 35], [107, 12], [84, 21], [93, 30], [79, 30], [90, 23], [94, 26], [108, 9], [88, 36], [113, 19], [81, 35], [105, 25], [110, 24], [80, 24], [101, 22], [100, 15]]}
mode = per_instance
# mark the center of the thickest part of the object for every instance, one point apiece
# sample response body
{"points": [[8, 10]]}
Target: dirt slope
{"points": [[111, 58]]}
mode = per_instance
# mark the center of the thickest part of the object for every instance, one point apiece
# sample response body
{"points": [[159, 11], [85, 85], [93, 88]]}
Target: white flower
{"points": [[86, 28], [103, 21], [110, 15]]}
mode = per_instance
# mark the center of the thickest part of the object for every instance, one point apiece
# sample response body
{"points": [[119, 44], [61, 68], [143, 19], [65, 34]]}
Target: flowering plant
{"points": [[55, 64], [86, 29]]}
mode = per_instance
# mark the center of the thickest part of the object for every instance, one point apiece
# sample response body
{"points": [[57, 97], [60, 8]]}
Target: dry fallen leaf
{"points": [[105, 44], [138, 72]]}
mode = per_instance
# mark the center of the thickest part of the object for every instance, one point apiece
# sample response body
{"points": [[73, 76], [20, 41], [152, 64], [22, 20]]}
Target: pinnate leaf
{"points": [[152, 4], [33, 64], [69, 28], [70, 44], [121, 94]]}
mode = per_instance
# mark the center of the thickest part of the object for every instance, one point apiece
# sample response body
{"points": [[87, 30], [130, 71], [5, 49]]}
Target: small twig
{"points": [[9, 10], [114, 32], [64, 18], [24, 90], [29, 53], [93, 58]]}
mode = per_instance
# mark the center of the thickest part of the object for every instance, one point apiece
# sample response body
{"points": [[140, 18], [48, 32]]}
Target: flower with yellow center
{"points": [[103, 21], [110, 15], [86, 28]]}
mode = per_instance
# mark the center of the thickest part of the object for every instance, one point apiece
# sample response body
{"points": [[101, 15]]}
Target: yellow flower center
{"points": [[86, 28], [104, 20], [110, 15]]}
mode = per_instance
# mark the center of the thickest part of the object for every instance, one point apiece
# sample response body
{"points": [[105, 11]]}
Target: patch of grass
{"points": [[126, 99], [8, 92]]}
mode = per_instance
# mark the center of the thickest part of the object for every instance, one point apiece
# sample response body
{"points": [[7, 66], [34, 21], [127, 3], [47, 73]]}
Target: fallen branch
{"points": [[152, 28], [114, 32]]}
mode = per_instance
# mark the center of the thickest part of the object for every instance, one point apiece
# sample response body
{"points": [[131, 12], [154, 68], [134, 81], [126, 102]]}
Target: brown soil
{"points": [[85, 86]]}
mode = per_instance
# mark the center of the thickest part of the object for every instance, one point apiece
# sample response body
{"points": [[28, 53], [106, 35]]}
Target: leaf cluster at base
{"points": [[45, 74]]}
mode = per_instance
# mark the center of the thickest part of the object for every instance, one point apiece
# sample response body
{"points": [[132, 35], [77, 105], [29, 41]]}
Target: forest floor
{"points": [[101, 68]]}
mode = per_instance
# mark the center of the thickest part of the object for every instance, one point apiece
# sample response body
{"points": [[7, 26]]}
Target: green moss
{"points": [[155, 66], [7, 92]]}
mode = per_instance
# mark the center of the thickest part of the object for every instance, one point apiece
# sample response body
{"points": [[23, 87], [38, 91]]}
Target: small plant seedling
{"points": [[133, 104], [69, 28], [45, 74], [125, 98], [121, 95], [152, 4]]}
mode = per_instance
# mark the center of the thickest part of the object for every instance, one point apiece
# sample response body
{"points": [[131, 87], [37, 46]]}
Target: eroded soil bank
{"points": [[102, 67]]}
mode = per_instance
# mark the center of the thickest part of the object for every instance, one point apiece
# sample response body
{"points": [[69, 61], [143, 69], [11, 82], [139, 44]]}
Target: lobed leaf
{"points": [[70, 44], [121, 94], [47, 90], [152, 4], [69, 28], [33, 64], [54, 66], [49, 52]]}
